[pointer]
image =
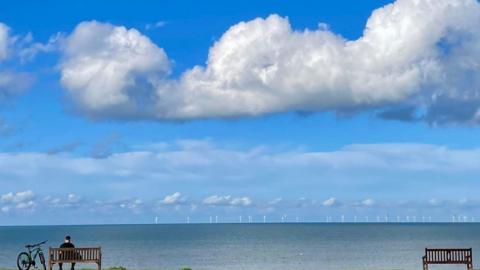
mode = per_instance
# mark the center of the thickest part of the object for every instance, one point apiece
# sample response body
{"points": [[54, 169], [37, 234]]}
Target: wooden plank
{"points": [[74, 254], [448, 256]]}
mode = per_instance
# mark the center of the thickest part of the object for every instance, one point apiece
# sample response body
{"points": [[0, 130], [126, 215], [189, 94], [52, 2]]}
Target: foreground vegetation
{"points": [[183, 268], [110, 268]]}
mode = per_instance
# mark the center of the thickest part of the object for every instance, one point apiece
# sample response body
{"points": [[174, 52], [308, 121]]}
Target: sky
{"points": [[121, 112]]}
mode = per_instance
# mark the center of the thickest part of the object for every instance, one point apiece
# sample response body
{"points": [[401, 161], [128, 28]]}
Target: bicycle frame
{"points": [[35, 252]]}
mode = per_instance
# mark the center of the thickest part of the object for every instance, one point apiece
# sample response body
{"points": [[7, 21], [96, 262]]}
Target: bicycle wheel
{"points": [[42, 260], [23, 261]]}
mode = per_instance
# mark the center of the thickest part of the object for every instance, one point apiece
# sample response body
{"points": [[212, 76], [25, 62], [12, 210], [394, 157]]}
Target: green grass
{"points": [[183, 268], [110, 268]]}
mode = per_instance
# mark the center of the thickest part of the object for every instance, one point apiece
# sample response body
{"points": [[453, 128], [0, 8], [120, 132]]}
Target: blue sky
{"points": [[120, 112]]}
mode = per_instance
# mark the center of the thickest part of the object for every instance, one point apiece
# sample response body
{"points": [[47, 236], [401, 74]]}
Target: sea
{"points": [[324, 246]]}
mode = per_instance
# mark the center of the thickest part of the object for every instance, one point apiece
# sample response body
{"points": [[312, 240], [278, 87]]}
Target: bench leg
{"points": [[470, 266], [425, 264], [99, 266]]}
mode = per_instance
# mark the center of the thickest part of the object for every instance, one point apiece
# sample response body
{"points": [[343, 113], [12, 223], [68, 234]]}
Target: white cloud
{"points": [[23, 200], [158, 24], [275, 201], [434, 202], [70, 201], [19, 197], [4, 41], [418, 53], [112, 206], [72, 198], [110, 70], [134, 204], [29, 205], [368, 202], [178, 159], [303, 202], [330, 202], [8, 197], [24, 196], [187, 167], [11, 83], [242, 201], [31, 49], [227, 200], [227, 206], [217, 200], [174, 198]]}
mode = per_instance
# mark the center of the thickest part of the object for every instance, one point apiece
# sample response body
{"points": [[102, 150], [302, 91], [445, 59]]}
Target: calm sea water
{"points": [[253, 246]]}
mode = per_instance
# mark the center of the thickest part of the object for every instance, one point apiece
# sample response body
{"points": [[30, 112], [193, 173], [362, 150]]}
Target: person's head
{"points": [[67, 239]]}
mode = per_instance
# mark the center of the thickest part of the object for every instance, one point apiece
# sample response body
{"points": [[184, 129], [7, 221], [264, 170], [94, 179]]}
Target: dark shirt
{"points": [[67, 245]]}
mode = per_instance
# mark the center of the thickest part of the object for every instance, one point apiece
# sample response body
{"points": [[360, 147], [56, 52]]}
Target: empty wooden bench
{"points": [[75, 255], [448, 256]]}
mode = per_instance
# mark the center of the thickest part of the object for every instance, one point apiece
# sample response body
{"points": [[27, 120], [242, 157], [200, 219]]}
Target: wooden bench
{"points": [[75, 255], [448, 256]]}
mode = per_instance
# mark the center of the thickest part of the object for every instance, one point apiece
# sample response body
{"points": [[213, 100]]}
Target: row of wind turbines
{"points": [[339, 219]]}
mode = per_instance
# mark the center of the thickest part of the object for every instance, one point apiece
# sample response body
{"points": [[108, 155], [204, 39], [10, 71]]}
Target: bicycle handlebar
{"points": [[36, 245]]}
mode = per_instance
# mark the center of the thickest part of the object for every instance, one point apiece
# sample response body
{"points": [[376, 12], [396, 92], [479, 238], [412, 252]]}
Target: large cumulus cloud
{"points": [[419, 54], [111, 70]]}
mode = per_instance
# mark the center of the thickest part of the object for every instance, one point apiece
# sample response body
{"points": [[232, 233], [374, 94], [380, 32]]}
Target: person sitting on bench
{"points": [[67, 243]]}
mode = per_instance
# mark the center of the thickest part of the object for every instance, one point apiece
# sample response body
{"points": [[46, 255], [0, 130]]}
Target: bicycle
{"points": [[27, 259]]}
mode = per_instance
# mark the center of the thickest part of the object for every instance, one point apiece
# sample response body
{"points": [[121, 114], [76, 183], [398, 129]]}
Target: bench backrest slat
{"points": [[75, 254], [448, 255]]}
